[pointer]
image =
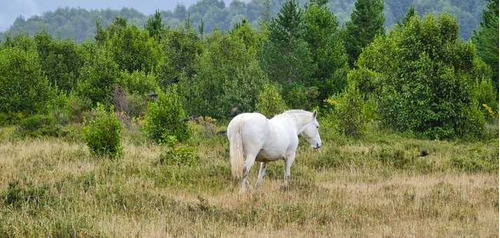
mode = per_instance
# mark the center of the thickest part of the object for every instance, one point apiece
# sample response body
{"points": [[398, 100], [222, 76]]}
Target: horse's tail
{"points": [[236, 150]]}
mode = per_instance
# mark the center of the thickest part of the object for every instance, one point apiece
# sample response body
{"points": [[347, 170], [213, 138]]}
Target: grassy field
{"points": [[379, 185]]}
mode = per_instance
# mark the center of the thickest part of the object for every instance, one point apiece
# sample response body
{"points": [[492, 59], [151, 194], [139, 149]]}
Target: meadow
{"points": [[378, 185]]}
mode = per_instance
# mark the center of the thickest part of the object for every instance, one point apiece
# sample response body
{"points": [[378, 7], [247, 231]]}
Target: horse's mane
{"points": [[295, 111]]}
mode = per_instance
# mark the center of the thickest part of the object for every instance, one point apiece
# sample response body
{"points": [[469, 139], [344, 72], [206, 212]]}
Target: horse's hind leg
{"points": [[262, 173], [250, 159]]}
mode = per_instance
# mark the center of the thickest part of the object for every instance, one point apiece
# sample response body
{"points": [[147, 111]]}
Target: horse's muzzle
{"points": [[317, 146]]}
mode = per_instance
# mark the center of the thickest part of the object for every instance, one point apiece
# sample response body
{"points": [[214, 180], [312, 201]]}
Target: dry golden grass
{"points": [[348, 189]]}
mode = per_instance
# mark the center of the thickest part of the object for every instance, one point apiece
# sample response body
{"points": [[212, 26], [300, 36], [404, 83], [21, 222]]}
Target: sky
{"points": [[11, 9]]}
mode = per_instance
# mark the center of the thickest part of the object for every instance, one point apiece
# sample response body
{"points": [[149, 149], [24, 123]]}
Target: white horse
{"points": [[254, 137]]}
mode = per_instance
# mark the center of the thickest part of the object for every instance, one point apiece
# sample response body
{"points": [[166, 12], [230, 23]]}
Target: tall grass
{"points": [[381, 185]]}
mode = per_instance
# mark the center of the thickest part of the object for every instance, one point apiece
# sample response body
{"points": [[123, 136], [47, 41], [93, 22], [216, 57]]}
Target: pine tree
{"points": [[286, 56], [155, 26], [409, 14], [367, 21], [486, 39], [327, 49]]}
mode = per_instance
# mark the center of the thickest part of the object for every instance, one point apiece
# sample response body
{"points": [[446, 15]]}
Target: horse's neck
{"points": [[298, 120]]}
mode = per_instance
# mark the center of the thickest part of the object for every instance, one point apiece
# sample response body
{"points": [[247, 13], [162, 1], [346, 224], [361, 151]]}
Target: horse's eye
{"points": [[317, 127]]}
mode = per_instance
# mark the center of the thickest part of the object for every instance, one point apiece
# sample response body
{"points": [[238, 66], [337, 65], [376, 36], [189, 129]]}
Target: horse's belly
{"points": [[266, 156]]}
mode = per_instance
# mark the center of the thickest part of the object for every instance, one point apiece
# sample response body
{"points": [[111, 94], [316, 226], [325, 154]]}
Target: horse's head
{"points": [[311, 132]]}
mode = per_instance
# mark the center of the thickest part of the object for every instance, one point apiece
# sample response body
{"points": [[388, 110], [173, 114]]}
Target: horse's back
{"points": [[253, 128], [247, 122]]}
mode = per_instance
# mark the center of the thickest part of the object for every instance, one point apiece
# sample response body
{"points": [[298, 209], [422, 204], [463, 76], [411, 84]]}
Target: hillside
{"points": [[79, 24]]}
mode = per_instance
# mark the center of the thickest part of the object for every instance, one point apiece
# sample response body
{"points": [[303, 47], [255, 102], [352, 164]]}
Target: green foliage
{"points": [[486, 98], [38, 125], [327, 50], [97, 76], [131, 47], [166, 117], [181, 48], [367, 21], [286, 57], [102, 133], [486, 39], [228, 78], [155, 26], [23, 86], [18, 194], [68, 108], [79, 24], [474, 164], [429, 89], [180, 155], [60, 60], [348, 112], [138, 82], [269, 101]]}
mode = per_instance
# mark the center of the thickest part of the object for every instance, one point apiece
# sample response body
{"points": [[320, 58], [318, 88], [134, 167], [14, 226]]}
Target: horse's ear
{"points": [[315, 113]]}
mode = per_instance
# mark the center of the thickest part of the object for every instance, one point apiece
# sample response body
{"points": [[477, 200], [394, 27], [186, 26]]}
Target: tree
{"points": [[181, 48], [23, 86], [131, 47], [166, 117], [367, 21], [60, 60], [269, 101], [97, 76], [327, 50], [286, 56], [155, 26], [486, 39], [228, 78], [427, 85]]}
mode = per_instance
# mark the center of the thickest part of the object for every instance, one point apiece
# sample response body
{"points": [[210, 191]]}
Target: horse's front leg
{"points": [[288, 164]]}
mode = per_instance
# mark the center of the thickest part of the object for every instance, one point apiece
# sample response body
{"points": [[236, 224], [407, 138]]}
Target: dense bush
{"points": [[138, 82], [228, 77], [39, 125], [23, 86], [102, 133], [174, 154], [427, 85], [98, 76], [166, 117], [348, 111], [68, 108], [269, 101], [60, 60]]}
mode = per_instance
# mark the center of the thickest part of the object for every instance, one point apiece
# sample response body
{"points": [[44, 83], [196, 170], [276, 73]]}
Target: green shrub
{"points": [[23, 86], [11, 118], [97, 77], [299, 96], [269, 101], [102, 133], [348, 112], [137, 105], [474, 164], [68, 108], [486, 98], [138, 82], [174, 154], [39, 125], [426, 85], [166, 117], [18, 194]]}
